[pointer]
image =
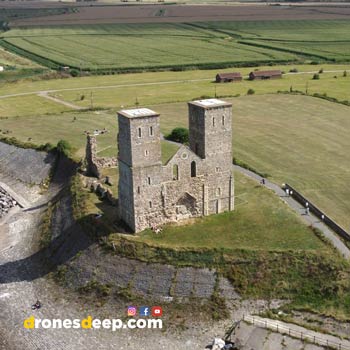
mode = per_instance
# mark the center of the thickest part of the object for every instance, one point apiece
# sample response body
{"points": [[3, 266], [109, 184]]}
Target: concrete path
{"points": [[299, 332], [309, 219]]}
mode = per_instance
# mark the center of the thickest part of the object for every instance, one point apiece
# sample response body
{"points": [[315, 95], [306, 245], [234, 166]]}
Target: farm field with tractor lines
{"points": [[146, 46]]}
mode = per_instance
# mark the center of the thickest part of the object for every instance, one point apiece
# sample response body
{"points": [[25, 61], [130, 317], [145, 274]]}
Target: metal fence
{"points": [[304, 336], [317, 212]]}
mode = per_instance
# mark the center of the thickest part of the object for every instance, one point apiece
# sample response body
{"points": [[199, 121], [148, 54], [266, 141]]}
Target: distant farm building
{"points": [[2, 68], [265, 74], [228, 77]]}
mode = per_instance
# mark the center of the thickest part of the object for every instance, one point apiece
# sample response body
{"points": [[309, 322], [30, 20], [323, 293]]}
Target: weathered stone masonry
{"points": [[196, 181]]}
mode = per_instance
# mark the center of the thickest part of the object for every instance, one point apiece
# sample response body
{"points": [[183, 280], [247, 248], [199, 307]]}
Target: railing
{"points": [[317, 212], [304, 336]]}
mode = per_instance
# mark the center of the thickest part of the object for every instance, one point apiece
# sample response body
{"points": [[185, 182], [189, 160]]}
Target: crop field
{"points": [[160, 13], [131, 46], [137, 46]]}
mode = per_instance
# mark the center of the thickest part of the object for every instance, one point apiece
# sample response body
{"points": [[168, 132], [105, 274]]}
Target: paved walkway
{"points": [[299, 332], [309, 219]]}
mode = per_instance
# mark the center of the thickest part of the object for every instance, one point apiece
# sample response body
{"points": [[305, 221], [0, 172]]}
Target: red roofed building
{"points": [[265, 74], [228, 77]]}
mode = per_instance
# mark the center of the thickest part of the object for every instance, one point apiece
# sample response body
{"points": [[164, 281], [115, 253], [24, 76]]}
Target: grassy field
{"points": [[260, 221], [29, 106], [145, 46], [329, 39], [127, 46], [267, 136]]}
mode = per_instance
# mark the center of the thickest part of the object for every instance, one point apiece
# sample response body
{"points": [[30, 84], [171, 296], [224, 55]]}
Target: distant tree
{"points": [[345, 73], [320, 71], [74, 72], [316, 77], [250, 92], [178, 135]]}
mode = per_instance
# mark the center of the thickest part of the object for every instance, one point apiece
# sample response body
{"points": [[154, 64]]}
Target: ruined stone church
{"points": [[196, 181]]}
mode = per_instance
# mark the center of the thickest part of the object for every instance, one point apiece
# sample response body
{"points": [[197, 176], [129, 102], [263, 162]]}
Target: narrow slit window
{"points": [[151, 131], [193, 169], [223, 120], [150, 204], [138, 189], [139, 132], [149, 180], [213, 121], [175, 172]]}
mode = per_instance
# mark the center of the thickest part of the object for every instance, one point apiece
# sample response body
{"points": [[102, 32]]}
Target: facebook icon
{"points": [[144, 311]]}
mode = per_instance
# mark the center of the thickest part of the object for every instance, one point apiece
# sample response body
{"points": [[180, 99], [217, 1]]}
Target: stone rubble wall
{"points": [[94, 163]]}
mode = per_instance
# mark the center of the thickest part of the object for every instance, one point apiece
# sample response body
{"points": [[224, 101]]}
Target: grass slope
{"points": [[260, 221]]}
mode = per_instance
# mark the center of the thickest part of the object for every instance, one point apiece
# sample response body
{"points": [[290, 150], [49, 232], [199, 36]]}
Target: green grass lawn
{"points": [[26, 106], [260, 221]]}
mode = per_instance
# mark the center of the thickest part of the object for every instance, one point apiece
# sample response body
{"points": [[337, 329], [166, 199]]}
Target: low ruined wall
{"points": [[94, 163]]}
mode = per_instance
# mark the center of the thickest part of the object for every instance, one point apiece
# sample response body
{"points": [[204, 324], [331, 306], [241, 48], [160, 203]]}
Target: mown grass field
{"points": [[202, 44], [123, 46], [328, 39]]}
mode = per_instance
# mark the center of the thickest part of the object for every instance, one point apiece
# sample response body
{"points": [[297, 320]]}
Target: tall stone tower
{"points": [[210, 136], [140, 174]]}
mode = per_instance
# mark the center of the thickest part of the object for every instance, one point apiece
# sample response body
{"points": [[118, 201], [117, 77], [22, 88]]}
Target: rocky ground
{"points": [[26, 275], [6, 202]]}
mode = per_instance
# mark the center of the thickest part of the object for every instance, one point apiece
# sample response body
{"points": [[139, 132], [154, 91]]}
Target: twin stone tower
{"points": [[196, 181]]}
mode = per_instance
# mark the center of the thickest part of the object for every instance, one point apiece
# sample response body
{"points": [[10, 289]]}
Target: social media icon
{"points": [[157, 311], [144, 311], [131, 311]]}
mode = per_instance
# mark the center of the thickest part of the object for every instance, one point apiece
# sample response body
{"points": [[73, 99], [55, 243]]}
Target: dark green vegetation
{"points": [[135, 47], [178, 135]]}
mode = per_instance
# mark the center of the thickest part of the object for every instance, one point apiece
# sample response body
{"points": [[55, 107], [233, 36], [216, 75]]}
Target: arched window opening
{"points": [[175, 172], [193, 169], [218, 191]]}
